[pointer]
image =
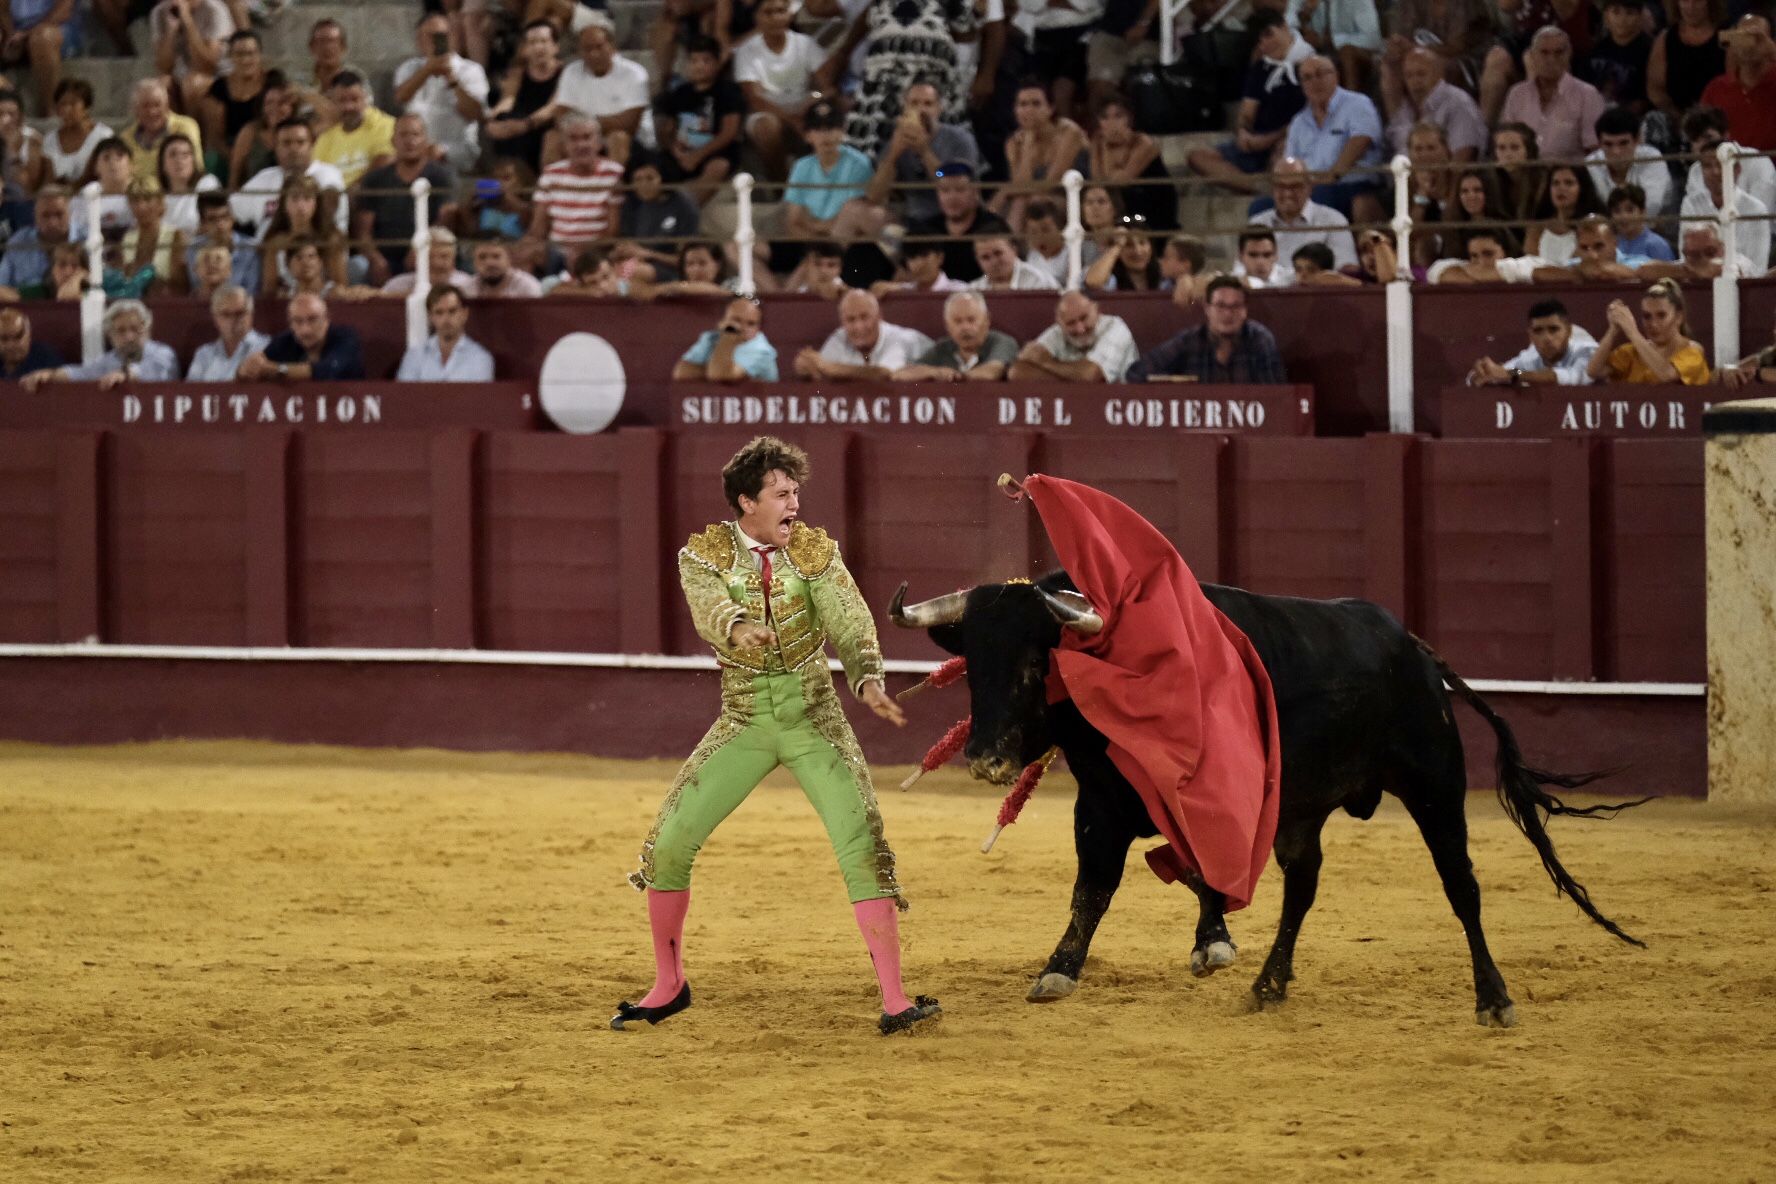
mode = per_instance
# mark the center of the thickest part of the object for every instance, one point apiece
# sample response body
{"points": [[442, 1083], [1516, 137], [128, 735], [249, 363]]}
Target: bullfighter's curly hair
{"points": [[745, 474]]}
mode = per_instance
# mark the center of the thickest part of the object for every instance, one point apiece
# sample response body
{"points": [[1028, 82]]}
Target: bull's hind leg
{"points": [[1298, 854], [1444, 825], [1102, 844]]}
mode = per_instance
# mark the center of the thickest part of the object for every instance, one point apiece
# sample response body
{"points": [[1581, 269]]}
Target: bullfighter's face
{"points": [[770, 516]]}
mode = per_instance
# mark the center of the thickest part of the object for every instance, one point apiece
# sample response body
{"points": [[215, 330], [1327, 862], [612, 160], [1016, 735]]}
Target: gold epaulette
{"points": [[714, 547], [811, 550]]}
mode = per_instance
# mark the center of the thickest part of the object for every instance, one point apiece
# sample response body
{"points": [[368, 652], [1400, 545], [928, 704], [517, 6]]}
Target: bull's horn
{"points": [[1073, 610], [927, 614]]}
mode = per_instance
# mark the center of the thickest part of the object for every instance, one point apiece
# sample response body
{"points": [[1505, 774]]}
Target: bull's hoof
{"points": [[1206, 960], [1501, 1015], [1267, 995], [1052, 987]]}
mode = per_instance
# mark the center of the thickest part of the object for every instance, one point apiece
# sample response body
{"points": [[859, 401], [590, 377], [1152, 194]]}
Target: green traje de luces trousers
{"points": [[784, 719]]}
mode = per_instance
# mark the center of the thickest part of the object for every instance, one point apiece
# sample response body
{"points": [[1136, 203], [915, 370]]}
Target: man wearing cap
{"points": [[827, 188], [1083, 345], [960, 216], [863, 348]]}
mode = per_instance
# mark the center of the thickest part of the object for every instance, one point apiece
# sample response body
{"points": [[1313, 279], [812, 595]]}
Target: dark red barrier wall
{"points": [[1569, 559], [1334, 339]]}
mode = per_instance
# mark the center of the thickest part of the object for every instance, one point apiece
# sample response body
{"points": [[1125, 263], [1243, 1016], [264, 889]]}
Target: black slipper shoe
{"points": [[924, 1008], [634, 1013]]}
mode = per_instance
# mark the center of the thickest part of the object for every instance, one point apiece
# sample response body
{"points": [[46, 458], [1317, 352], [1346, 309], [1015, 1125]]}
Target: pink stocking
{"points": [[666, 914], [880, 922]]}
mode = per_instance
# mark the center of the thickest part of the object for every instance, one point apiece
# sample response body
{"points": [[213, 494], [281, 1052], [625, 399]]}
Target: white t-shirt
{"points": [[1755, 175], [69, 167], [1026, 277], [787, 77], [623, 87], [435, 103], [181, 208], [1317, 224], [896, 346], [255, 202], [1114, 349], [1752, 231]]}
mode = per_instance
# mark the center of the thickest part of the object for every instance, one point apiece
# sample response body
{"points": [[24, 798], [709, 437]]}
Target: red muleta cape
{"points": [[1175, 686]]}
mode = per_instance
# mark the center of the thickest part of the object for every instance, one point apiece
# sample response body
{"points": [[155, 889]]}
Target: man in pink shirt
{"points": [[1561, 109]]}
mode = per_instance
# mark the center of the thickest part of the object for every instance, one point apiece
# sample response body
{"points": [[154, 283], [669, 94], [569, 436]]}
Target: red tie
{"points": [[764, 554]]}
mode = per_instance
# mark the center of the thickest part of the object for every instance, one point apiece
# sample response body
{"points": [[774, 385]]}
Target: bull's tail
{"points": [[1521, 792]]}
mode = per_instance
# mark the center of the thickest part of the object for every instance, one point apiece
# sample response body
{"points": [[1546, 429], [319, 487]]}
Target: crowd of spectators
{"points": [[918, 145]]}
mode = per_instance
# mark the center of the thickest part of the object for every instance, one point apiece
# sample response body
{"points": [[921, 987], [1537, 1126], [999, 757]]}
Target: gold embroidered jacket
{"points": [[813, 600]]}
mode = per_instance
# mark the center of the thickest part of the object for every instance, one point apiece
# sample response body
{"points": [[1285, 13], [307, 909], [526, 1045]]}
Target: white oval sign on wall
{"points": [[582, 383]]}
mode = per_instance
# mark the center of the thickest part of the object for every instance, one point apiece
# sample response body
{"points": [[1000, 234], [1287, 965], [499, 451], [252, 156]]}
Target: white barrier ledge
{"points": [[230, 653]]}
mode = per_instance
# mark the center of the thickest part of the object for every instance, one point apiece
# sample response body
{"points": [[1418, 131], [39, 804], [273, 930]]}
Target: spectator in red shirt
{"points": [[1747, 91]]}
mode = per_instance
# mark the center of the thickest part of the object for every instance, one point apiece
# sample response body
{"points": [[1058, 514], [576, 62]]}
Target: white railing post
{"points": [[1074, 234], [422, 263], [1168, 33], [92, 302], [1726, 284], [1399, 304], [744, 235]]}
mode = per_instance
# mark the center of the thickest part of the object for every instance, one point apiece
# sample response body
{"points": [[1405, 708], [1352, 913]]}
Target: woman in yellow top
{"points": [[1658, 350]]}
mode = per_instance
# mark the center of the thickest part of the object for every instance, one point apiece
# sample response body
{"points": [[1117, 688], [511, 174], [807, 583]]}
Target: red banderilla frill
{"points": [[1013, 804], [942, 751]]}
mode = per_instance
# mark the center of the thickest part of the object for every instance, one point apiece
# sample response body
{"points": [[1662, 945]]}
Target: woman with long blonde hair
{"points": [[1656, 350]]}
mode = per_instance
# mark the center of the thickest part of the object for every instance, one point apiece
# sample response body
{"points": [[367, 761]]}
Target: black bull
{"points": [[1362, 709]]}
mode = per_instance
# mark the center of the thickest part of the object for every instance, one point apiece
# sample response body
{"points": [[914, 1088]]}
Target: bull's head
{"points": [[1006, 632]]}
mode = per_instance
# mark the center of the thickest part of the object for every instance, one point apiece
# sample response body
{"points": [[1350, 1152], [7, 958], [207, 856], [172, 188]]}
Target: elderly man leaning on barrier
{"points": [[19, 355], [1083, 345], [1558, 353], [311, 349], [863, 348], [974, 351], [736, 350], [1228, 347], [231, 307], [134, 354], [1758, 367], [449, 354]]}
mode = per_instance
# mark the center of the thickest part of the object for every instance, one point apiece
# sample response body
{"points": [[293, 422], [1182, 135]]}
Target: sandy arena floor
{"points": [[225, 962]]}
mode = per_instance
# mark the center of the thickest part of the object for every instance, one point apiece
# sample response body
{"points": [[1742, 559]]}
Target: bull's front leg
{"points": [[1102, 845], [1214, 948]]}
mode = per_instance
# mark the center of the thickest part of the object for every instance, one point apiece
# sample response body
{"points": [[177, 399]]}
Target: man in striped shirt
{"points": [[577, 198]]}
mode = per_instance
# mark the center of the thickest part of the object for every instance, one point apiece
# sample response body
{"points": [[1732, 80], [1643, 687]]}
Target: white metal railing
{"points": [[422, 264], [1399, 304], [744, 235], [92, 301], [1074, 235], [1726, 284]]}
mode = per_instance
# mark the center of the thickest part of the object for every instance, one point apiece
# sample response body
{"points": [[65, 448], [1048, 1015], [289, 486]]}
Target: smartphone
{"points": [[440, 44]]}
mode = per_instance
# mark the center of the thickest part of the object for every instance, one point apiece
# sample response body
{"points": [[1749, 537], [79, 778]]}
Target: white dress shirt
{"points": [[896, 346], [212, 364], [1315, 224], [426, 362], [1651, 175], [435, 102]]}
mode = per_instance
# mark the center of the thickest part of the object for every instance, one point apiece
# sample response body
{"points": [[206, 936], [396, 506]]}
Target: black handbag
{"points": [[1168, 100]]}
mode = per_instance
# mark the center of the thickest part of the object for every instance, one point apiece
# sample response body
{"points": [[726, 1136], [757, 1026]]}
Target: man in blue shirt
{"points": [[449, 354], [133, 353], [735, 351], [827, 189], [1338, 135], [311, 349], [19, 355], [26, 261]]}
